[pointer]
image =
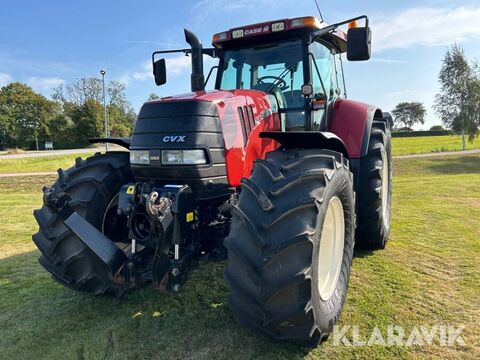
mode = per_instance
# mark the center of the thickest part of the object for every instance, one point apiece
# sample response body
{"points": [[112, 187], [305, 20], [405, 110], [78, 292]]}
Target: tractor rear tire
{"points": [[91, 184], [276, 248], [375, 190]]}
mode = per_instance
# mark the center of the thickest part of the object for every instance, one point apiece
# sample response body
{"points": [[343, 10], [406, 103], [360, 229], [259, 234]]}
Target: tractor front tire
{"points": [[375, 190], [290, 245], [91, 184]]}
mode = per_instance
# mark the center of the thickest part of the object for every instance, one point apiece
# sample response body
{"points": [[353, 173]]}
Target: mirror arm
{"points": [[332, 27], [210, 73], [208, 51], [212, 52]]}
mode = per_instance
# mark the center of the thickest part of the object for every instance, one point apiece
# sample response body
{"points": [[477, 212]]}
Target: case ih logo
{"points": [[258, 30], [174, 139], [239, 33]]}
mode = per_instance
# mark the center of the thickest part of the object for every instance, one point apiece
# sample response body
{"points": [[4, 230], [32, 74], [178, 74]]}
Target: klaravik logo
{"points": [[174, 139]]}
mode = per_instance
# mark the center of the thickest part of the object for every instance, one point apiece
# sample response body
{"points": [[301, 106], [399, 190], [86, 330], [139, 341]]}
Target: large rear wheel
{"points": [[290, 245], [375, 189], [92, 185]]}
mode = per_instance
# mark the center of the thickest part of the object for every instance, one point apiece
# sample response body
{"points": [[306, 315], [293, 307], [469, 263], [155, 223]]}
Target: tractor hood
{"points": [[224, 123], [184, 122], [194, 117], [210, 96]]}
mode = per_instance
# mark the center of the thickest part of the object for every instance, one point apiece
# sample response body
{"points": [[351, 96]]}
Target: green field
{"points": [[40, 164], [428, 275], [427, 144], [401, 146]]}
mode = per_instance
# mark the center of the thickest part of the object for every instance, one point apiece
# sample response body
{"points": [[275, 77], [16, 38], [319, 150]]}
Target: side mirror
{"points": [[359, 41], [160, 72]]}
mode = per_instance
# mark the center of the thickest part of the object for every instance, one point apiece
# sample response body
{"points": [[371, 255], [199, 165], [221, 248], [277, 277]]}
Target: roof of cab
{"points": [[275, 28]]}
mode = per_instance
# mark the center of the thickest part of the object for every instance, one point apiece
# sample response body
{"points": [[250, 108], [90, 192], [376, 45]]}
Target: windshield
{"points": [[278, 69], [271, 68]]}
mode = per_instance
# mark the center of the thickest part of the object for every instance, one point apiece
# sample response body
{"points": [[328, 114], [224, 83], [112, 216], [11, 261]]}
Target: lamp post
{"points": [[105, 116]]}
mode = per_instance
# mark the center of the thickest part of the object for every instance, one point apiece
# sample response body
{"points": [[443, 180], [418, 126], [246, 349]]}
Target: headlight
{"points": [[183, 157], [141, 157]]}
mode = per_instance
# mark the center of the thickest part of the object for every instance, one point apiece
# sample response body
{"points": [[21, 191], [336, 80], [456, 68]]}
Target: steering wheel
{"points": [[282, 84]]}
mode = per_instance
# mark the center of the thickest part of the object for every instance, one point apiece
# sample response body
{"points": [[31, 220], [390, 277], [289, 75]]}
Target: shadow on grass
{"points": [[143, 324], [459, 165], [363, 253]]}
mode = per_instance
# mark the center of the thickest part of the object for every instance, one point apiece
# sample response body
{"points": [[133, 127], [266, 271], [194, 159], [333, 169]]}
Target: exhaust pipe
{"points": [[197, 78]]}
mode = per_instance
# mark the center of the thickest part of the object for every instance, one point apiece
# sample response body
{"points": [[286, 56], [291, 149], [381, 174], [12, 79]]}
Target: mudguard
{"points": [[307, 140], [124, 142], [352, 121]]}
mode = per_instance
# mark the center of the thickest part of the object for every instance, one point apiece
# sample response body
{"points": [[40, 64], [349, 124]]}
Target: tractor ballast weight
{"points": [[275, 171]]}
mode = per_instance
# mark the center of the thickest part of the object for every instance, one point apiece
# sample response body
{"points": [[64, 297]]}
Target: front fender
{"points": [[307, 140]]}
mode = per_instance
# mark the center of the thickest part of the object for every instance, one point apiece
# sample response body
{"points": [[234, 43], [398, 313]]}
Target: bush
{"points": [[15, 151], [437, 128], [421, 133]]}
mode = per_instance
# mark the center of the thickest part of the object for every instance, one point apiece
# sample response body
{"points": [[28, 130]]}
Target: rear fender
{"points": [[307, 140], [352, 122]]}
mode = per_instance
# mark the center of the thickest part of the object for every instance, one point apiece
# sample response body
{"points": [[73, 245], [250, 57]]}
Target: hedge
{"points": [[421, 133]]}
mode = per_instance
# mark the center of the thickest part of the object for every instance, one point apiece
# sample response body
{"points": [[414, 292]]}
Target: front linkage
{"points": [[163, 241]]}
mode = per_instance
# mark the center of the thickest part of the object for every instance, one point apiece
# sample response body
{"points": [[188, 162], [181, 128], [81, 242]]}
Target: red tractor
{"points": [[275, 171]]}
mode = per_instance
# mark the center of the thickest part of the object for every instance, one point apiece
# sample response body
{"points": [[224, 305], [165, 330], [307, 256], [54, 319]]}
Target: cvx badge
{"points": [[174, 138]]}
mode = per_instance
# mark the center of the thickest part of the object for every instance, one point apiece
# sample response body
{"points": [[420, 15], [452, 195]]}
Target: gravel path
{"points": [[434, 154]]}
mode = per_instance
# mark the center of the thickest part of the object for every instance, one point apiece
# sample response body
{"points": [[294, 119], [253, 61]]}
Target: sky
{"points": [[51, 42]]}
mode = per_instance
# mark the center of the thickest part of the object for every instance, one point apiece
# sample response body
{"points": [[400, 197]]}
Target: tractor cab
{"points": [[296, 60]]}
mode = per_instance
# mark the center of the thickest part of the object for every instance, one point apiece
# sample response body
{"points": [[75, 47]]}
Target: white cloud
{"points": [[44, 83], [209, 6], [227, 6], [410, 94], [5, 79], [144, 72], [386, 61], [426, 26], [179, 65]]}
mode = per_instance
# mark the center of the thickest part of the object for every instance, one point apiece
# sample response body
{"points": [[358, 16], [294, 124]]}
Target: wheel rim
{"points": [[385, 173], [330, 253]]}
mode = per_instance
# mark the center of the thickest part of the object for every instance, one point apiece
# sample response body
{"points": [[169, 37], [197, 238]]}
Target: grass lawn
{"points": [[40, 164], [401, 146], [429, 274], [427, 144]]}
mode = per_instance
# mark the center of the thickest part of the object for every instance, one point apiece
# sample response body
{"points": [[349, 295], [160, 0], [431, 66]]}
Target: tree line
{"points": [[74, 114], [457, 102]]}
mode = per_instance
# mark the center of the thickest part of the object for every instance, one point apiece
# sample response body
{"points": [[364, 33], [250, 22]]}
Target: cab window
{"points": [[324, 79], [324, 63], [272, 68]]}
